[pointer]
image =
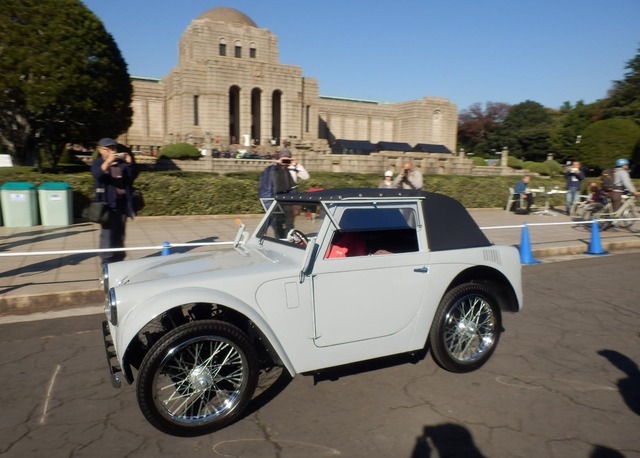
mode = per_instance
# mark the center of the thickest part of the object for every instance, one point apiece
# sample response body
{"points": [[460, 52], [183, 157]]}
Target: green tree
{"points": [[605, 141], [569, 124], [62, 79], [526, 130], [624, 97], [477, 127]]}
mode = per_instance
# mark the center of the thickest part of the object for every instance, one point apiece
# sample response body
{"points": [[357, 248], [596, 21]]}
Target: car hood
{"points": [[179, 265]]}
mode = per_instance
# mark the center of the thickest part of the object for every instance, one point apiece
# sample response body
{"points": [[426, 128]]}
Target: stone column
{"points": [[504, 157]]}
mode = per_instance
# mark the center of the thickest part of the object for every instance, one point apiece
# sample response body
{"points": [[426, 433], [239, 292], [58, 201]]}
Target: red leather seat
{"points": [[348, 244]]}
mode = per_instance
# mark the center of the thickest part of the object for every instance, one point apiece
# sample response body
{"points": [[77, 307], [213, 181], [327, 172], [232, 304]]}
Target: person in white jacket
{"points": [[296, 169]]}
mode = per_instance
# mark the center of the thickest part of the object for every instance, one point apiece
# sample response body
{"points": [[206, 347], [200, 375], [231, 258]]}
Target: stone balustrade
{"points": [[375, 163]]}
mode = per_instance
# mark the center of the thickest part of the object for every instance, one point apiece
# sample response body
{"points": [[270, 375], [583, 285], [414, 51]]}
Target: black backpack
{"points": [[607, 179], [265, 184]]}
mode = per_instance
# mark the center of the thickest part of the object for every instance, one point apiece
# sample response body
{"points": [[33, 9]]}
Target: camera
{"points": [[574, 170], [121, 156], [286, 161]]}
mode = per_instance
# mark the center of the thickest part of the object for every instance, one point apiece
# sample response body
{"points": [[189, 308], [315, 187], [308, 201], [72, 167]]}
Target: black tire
{"points": [[594, 211], [198, 378], [466, 328]]}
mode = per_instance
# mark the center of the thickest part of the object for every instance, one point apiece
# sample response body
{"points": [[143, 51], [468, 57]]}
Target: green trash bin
{"points": [[19, 204], [56, 204]]}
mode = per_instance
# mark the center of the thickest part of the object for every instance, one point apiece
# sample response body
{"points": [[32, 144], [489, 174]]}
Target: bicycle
{"points": [[627, 210], [578, 207]]}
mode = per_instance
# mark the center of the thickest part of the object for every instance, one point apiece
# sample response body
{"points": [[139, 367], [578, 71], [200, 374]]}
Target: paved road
{"points": [[564, 382]]}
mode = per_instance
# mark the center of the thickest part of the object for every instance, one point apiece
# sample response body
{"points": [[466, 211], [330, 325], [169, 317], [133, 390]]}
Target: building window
{"points": [[238, 51], [196, 119], [253, 53], [306, 118], [222, 49]]}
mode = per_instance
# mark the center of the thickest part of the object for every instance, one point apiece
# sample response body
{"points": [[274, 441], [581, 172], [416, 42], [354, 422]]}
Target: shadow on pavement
{"points": [[44, 266], [600, 451], [38, 236], [628, 387], [447, 439], [271, 383]]}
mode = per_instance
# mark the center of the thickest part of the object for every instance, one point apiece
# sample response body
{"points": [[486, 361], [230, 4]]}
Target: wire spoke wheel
{"points": [[465, 329], [469, 329], [197, 379]]}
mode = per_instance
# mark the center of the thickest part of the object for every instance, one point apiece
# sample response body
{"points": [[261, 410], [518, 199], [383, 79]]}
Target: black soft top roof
{"points": [[449, 224]]}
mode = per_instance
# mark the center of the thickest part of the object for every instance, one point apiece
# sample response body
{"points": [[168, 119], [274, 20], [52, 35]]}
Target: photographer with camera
{"points": [[296, 169], [114, 172], [408, 178], [574, 176], [281, 177]]}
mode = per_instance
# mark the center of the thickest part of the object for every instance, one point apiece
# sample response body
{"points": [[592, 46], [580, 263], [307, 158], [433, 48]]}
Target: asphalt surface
{"points": [[563, 382], [63, 279]]}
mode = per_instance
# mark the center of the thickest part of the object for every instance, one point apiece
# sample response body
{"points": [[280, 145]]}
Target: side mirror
{"points": [[309, 257]]}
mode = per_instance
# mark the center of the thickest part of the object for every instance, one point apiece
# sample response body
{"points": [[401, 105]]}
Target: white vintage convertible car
{"points": [[328, 278]]}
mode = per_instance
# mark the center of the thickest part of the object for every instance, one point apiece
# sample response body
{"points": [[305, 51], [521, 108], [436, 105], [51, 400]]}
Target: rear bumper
{"points": [[112, 361]]}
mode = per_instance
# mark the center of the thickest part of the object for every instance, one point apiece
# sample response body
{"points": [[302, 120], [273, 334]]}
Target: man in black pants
{"points": [[114, 173]]}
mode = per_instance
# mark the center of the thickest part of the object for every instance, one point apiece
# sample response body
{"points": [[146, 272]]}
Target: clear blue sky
{"points": [[469, 51]]}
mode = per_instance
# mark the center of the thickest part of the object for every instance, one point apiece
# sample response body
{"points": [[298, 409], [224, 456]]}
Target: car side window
{"points": [[374, 231], [291, 223]]}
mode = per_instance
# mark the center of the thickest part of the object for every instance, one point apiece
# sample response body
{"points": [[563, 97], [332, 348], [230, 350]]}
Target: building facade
{"points": [[229, 88]]}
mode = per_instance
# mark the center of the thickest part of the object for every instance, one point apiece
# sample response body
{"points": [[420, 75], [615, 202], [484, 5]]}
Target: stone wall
{"points": [[376, 163]]}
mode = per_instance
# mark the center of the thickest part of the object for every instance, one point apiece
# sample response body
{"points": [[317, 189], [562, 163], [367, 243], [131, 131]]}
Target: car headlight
{"points": [[105, 278], [111, 307]]}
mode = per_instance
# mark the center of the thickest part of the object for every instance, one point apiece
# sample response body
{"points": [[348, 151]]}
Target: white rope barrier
{"points": [[168, 245], [113, 250], [564, 223]]}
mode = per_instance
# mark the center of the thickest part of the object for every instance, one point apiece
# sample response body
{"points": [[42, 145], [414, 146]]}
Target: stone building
{"points": [[230, 88]]}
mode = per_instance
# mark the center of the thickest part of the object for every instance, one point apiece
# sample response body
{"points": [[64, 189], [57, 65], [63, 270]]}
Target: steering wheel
{"points": [[297, 237]]}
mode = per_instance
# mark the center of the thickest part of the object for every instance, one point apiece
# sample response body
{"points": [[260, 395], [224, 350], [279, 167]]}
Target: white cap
{"points": [[388, 173]]}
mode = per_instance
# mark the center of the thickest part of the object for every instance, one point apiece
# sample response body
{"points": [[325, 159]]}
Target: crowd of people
{"points": [[114, 172], [613, 185]]}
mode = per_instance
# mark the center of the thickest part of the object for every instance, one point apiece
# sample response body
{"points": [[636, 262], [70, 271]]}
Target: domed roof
{"points": [[228, 16]]}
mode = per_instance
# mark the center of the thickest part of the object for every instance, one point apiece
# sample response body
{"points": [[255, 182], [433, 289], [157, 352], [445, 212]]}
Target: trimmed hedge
{"points": [[183, 193], [179, 151]]}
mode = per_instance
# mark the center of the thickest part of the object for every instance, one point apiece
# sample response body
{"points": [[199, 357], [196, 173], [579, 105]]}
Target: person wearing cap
{"points": [[408, 178], [387, 181], [621, 183], [114, 173]]}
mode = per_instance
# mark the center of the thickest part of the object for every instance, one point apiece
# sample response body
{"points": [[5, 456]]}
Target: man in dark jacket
{"points": [[282, 183], [574, 176], [113, 173]]}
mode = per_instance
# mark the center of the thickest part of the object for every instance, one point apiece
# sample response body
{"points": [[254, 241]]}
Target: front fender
{"points": [[144, 312]]}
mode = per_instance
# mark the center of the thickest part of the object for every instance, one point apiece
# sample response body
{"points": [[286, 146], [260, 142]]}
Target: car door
{"points": [[375, 294]]}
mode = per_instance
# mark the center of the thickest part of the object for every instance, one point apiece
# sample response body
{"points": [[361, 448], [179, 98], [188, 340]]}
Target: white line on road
{"points": [[43, 418]]}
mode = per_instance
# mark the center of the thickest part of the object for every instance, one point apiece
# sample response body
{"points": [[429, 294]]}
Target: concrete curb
{"points": [[572, 250], [46, 302]]}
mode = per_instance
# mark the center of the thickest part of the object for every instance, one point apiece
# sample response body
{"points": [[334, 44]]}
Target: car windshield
{"points": [[288, 222]]}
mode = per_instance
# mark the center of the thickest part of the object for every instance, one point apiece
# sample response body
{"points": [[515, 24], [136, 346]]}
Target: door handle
{"points": [[423, 270]]}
